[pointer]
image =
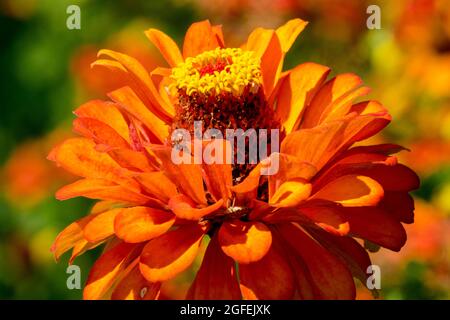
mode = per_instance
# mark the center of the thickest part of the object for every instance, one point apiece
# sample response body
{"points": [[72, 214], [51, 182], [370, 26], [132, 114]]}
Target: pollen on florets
{"points": [[217, 71]]}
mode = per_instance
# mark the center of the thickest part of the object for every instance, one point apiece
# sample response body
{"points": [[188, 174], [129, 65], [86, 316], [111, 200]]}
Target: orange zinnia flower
{"points": [[287, 235]]}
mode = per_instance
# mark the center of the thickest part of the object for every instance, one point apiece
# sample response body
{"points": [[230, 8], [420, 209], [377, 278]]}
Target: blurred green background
{"points": [[45, 74]]}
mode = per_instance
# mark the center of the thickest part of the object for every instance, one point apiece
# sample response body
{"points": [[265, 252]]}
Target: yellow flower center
{"points": [[229, 70]]}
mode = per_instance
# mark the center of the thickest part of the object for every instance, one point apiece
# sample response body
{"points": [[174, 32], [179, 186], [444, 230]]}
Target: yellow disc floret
{"points": [[218, 71]]}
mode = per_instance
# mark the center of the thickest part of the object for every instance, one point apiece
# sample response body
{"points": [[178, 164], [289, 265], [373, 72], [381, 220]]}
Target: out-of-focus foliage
{"points": [[45, 74]]}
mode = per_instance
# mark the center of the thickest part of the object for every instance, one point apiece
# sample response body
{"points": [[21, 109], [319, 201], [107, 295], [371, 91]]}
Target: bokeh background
{"points": [[45, 74]]}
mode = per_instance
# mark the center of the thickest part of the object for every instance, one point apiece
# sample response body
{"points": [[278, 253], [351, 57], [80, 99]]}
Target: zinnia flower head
{"points": [[288, 235]]}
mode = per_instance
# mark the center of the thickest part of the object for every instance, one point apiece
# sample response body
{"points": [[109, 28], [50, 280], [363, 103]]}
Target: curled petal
{"points": [[142, 84], [291, 193], [166, 46], [139, 224], [245, 242], [351, 191], [173, 252], [288, 32], [184, 208]]}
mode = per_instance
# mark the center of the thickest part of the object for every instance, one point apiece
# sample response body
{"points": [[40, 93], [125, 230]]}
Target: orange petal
{"points": [[101, 226], [352, 191], [366, 124], [139, 224], [130, 102], [134, 160], [173, 252], [216, 278], [81, 247], [331, 278], [270, 278], [184, 208], [160, 71], [100, 132], [106, 112], [251, 182], [267, 47], [343, 105], [102, 206], [315, 145], [217, 30], [103, 190], [166, 46], [330, 92], [289, 168], [158, 185], [133, 285], [291, 193], [296, 92], [218, 176], [288, 32], [218, 179], [326, 217], [106, 269], [78, 156], [187, 177], [245, 242], [70, 236], [142, 84], [199, 38]]}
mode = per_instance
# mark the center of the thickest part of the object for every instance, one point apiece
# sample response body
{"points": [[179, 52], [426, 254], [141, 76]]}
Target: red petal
{"points": [[216, 279], [330, 276], [270, 278], [133, 286]]}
